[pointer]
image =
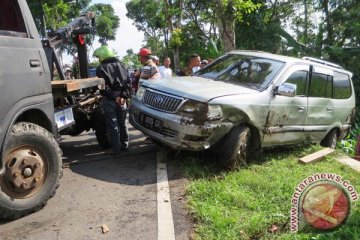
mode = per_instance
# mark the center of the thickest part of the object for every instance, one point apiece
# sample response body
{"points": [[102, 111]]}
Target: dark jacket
{"points": [[116, 79]]}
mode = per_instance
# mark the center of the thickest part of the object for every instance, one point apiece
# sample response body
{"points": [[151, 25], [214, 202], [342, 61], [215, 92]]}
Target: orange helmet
{"points": [[144, 52]]}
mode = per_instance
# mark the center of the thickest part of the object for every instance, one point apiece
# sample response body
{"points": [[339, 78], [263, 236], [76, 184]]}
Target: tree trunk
{"points": [[306, 23], [227, 33], [329, 29], [226, 26], [176, 53]]}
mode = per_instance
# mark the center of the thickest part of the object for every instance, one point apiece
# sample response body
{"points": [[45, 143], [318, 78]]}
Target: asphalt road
{"points": [[120, 192]]}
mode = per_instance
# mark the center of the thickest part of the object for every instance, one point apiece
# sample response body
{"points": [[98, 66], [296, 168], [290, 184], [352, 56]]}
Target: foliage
{"points": [[147, 16], [56, 15], [131, 59], [107, 22], [176, 40], [59, 13], [350, 143]]}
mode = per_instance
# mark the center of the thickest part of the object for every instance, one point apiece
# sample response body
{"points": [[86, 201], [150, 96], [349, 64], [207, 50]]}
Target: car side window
{"points": [[299, 78], [342, 86], [11, 20], [320, 85]]}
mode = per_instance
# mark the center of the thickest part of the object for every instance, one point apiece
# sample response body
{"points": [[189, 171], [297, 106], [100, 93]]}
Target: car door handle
{"points": [[34, 63], [301, 109], [329, 109]]}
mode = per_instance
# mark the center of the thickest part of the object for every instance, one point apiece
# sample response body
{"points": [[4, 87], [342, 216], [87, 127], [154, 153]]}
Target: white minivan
{"points": [[246, 101]]}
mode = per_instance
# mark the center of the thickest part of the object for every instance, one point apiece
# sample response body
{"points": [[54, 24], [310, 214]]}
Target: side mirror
{"points": [[286, 89]]}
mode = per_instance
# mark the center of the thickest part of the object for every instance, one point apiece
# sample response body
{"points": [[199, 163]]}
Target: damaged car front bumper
{"points": [[176, 130]]}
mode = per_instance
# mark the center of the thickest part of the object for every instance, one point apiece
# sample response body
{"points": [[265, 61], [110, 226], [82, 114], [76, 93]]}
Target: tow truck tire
{"points": [[33, 166], [235, 148], [100, 127]]}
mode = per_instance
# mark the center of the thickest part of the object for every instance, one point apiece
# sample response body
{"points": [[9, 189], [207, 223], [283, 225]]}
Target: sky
{"points": [[127, 35]]}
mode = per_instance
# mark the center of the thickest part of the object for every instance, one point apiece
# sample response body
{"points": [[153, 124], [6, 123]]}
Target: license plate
{"points": [[150, 122]]}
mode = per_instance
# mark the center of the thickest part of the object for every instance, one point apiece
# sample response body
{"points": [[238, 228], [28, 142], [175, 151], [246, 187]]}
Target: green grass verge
{"points": [[245, 204]]}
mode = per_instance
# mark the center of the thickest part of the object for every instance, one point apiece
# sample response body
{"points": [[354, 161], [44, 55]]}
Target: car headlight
{"points": [[201, 110], [214, 112], [140, 93], [191, 106]]}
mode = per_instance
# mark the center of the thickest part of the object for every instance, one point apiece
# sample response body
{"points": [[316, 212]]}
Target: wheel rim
{"points": [[26, 170]]}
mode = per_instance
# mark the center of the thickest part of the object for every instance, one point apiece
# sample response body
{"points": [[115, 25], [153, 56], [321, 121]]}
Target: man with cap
{"points": [[115, 95], [149, 70]]}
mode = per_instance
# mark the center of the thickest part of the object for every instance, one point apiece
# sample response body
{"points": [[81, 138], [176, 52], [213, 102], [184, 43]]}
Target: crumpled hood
{"points": [[196, 88]]}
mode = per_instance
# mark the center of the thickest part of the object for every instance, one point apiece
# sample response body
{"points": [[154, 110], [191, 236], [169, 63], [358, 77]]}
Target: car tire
{"points": [[235, 148], [331, 139], [33, 166], [100, 127]]}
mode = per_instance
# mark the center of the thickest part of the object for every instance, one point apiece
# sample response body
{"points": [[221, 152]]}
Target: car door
{"points": [[21, 70], [287, 114], [320, 105]]}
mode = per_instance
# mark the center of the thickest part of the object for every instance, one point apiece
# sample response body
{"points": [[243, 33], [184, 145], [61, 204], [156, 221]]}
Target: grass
{"points": [[247, 203]]}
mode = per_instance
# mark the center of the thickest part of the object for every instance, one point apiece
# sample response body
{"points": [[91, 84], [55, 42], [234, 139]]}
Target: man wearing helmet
{"points": [[149, 70], [116, 92]]}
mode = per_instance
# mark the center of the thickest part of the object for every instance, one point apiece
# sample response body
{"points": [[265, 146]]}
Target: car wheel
{"points": [[235, 148], [331, 139], [100, 127], [33, 166]]}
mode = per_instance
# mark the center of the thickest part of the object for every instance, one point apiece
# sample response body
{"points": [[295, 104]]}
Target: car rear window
{"points": [[249, 71], [342, 86]]}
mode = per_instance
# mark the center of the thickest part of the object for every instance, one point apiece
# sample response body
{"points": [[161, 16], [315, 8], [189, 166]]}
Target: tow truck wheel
{"points": [[100, 127], [33, 166], [235, 147]]}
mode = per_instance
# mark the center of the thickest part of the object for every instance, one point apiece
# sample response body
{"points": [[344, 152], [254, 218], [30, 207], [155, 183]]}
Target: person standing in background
{"points": [[165, 70], [193, 65], [156, 60], [203, 63], [148, 71]]}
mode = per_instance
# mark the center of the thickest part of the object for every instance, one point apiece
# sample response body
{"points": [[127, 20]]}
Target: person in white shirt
{"points": [[165, 70]]}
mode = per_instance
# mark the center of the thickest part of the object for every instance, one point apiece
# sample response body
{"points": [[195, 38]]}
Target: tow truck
{"points": [[35, 108]]}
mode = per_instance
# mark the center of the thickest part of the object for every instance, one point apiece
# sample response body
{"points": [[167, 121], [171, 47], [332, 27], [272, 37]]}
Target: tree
{"points": [[227, 11], [51, 15], [107, 22], [131, 59]]}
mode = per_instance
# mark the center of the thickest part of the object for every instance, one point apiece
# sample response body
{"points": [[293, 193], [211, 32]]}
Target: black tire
{"points": [[33, 166], [74, 130], [100, 127], [331, 139], [235, 148]]}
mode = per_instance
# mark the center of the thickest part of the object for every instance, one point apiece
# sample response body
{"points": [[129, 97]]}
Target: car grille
{"points": [[161, 101]]}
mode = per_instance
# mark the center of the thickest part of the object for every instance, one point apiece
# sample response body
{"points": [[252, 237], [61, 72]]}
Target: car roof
{"points": [[289, 60]]}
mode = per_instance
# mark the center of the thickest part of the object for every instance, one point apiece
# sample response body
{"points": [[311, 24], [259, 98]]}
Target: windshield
{"points": [[249, 71]]}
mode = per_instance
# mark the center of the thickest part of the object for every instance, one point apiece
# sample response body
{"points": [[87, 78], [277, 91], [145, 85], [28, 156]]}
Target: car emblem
{"points": [[158, 99]]}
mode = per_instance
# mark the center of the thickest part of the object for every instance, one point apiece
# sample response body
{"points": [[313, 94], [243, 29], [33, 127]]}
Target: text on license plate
{"points": [[150, 122]]}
